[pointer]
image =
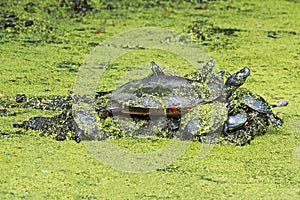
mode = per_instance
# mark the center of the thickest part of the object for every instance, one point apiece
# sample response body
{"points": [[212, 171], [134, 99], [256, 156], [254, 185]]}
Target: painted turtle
{"points": [[254, 102], [249, 115], [170, 96], [235, 121]]}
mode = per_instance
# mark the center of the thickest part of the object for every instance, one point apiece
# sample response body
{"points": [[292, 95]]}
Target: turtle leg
{"points": [[173, 123], [190, 130], [276, 121], [206, 70], [156, 69]]}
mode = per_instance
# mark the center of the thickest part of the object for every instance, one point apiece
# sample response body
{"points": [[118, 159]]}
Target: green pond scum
{"points": [[44, 43]]}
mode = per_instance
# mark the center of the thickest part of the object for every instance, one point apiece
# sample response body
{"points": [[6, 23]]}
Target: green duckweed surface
{"points": [[43, 45]]}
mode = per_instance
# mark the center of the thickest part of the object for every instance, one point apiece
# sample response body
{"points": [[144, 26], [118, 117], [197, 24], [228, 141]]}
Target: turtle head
{"points": [[236, 80]]}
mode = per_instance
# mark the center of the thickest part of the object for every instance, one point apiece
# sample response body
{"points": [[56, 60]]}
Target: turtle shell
{"points": [[237, 120], [161, 94], [257, 103]]}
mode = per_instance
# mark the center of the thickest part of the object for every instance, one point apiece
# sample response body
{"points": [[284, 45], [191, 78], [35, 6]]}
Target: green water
{"points": [[42, 59]]}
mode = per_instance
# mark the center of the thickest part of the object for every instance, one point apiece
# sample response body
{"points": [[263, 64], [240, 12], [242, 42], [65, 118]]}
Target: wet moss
{"points": [[35, 40]]}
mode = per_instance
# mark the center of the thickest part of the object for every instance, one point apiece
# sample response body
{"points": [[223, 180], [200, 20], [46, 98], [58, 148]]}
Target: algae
{"points": [[43, 45]]}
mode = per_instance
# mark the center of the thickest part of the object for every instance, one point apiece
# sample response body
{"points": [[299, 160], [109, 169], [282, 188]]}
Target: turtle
{"points": [[255, 102], [236, 121], [249, 115], [170, 96], [160, 93]]}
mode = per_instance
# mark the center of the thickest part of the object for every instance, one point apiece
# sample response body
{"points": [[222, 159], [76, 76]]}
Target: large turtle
{"points": [[164, 95], [172, 95]]}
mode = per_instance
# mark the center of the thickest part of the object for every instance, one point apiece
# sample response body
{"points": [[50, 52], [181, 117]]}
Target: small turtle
{"points": [[235, 121], [259, 104], [242, 126]]}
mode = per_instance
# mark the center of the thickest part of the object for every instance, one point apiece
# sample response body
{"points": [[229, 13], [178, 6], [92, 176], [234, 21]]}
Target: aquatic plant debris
{"points": [[266, 169]]}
